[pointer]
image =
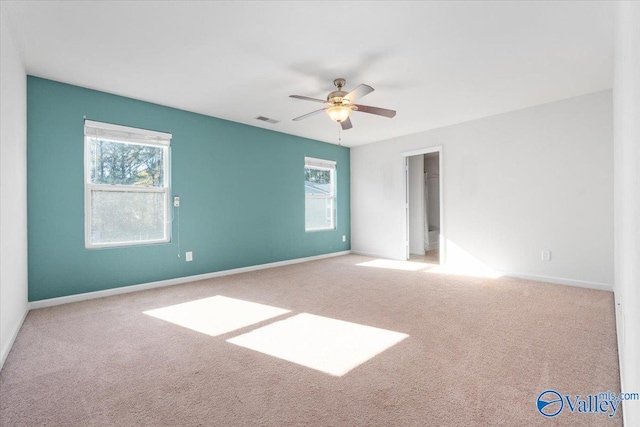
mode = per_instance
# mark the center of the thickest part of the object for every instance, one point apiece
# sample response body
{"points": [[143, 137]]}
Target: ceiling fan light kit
{"points": [[339, 113], [341, 104]]}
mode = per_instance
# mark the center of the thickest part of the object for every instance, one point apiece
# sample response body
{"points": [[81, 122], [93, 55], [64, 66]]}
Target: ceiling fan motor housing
{"points": [[337, 97]]}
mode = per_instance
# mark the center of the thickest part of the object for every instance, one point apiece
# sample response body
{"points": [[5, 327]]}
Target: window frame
{"points": [[125, 135], [324, 165]]}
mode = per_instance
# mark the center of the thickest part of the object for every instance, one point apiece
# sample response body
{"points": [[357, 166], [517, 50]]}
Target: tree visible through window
{"points": [[126, 185], [319, 189], [126, 164]]}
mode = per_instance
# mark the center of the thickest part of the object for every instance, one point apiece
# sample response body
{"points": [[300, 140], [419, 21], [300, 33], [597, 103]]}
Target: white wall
{"points": [[627, 200], [514, 184], [433, 186], [432, 168], [416, 204], [13, 191]]}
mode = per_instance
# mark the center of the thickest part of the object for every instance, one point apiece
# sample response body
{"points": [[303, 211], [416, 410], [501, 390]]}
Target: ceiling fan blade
{"points": [[306, 98], [309, 114], [346, 125], [359, 92], [375, 110]]}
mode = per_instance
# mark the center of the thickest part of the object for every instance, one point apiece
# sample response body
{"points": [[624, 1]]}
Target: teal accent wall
{"points": [[241, 191]]}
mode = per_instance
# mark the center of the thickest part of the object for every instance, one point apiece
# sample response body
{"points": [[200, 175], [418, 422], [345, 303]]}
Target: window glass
{"points": [[126, 185], [319, 189]]}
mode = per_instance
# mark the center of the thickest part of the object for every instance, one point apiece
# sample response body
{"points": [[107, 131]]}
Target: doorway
{"points": [[424, 228]]}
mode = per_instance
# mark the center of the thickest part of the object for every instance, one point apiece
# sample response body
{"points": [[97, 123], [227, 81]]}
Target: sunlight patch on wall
{"points": [[216, 315], [461, 263], [328, 345]]}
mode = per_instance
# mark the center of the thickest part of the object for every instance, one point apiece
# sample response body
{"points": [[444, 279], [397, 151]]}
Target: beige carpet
{"points": [[479, 352], [431, 257]]}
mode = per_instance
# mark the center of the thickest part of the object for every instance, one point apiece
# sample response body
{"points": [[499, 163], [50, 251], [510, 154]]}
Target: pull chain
{"points": [[339, 135]]}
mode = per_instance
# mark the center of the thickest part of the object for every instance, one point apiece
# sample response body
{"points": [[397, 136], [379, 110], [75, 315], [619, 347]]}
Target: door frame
{"points": [[405, 168]]}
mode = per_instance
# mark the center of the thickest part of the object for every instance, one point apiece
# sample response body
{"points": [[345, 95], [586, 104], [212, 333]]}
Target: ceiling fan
{"points": [[341, 104]]}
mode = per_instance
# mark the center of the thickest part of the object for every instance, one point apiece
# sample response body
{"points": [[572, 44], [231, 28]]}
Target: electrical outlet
{"points": [[176, 201], [344, 238], [188, 256], [546, 255]]}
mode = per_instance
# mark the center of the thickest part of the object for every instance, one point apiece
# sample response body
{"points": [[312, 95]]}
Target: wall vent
{"points": [[267, 119]]}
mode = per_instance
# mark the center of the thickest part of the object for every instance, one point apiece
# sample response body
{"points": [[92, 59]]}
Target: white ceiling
{"points": [[436, 63]]}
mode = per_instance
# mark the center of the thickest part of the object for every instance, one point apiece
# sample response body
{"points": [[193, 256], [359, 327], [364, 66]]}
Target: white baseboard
{"points": [[560, 281], [12, 337], [177, 281]]}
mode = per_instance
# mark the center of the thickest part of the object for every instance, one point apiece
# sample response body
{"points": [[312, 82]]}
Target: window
{"points": [[320, 194], [126, 185]]}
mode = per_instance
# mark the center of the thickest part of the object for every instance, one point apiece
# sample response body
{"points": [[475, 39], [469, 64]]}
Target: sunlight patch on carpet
{"points": [[216, 315], [396, 265], [332, 346]]}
